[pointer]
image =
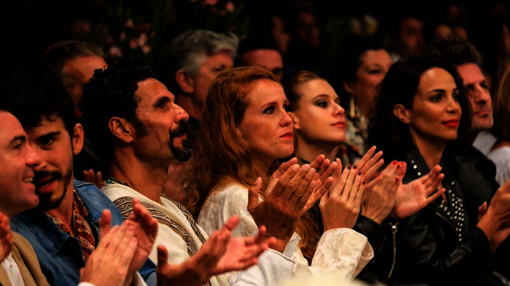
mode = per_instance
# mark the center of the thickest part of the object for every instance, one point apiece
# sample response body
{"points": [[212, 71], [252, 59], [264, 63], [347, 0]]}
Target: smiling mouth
{"points": [[44, 185], [28, 180]]}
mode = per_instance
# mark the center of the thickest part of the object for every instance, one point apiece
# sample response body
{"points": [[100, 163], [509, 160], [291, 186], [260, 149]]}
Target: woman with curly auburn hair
{"points": [[246, 128]]}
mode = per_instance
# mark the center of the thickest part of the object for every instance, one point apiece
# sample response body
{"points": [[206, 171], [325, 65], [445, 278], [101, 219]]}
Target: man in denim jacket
{"points": [[64, 228]]}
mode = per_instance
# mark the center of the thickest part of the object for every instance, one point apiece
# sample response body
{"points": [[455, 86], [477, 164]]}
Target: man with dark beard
{"points": [[64, 228], [140, 130]]}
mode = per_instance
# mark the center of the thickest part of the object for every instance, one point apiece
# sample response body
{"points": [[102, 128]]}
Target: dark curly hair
{"points": [[399, 86], [34, 95], [458, 51], [111, 93]]}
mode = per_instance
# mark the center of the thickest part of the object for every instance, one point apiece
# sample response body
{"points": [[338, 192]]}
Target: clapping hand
{"points": [[370, 163], [176, 181], [6, 242], [380, 193], [340, 207], [108, 264], [220, 254], [414, 196], [93, 177], [290, 193], [146, 230]]}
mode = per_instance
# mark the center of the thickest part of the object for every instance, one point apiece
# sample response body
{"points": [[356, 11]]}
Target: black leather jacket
{"points": [[441, 245]]}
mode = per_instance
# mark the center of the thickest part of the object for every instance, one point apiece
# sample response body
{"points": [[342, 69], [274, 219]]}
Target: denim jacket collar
{"points": [[49, 235]]}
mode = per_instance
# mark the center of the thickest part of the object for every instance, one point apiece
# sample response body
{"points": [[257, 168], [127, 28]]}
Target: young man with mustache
{"points": [[108, 265], [64, 228]]}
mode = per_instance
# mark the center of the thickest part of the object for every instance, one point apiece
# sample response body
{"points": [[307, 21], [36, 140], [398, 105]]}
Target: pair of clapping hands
{"points": [[122, 250], [292, 190]]}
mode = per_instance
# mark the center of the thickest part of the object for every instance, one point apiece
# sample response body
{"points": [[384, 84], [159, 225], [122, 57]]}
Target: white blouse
{"points": [[343, 251]]}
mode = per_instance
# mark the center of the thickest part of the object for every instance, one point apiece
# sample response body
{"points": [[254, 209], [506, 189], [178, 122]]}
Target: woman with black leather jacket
{"points": [[420, 116]]}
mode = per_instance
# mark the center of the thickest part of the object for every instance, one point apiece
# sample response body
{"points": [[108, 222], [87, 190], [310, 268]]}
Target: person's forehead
{"points": [[265, 90], [150, 90], [84, 64], [470, 73], [47, 125], [10, 128], [436, 78], [376, 57], [222, 56]]}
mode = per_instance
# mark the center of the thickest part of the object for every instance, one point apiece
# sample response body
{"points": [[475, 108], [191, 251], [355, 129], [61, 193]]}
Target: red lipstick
{"points": [[451, 123]]}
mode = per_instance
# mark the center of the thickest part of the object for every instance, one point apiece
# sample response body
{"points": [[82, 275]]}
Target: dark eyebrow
{"points": [[48, 135], [436, 90], [161, 100], [442, 90]]}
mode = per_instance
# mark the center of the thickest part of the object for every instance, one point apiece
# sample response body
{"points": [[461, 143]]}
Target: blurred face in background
{"points": [[477, 90], [211, 67], [268, 59], [76, 72], [374, 66], [410, 37]]}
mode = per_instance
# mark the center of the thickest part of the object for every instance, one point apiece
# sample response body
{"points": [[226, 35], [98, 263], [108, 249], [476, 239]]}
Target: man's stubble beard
{"points": [[156, 160], [45, 201]]}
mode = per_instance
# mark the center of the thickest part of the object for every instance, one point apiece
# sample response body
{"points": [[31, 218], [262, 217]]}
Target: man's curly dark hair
{"points": [[33, 95], [458, 51], [111, 93]]}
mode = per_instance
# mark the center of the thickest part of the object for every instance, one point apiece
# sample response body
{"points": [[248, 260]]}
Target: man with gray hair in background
{"points": [[189, 65]]}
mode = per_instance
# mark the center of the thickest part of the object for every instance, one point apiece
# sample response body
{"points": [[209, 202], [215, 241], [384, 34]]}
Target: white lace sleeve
{"points": [[344, 250], [273, 266]]}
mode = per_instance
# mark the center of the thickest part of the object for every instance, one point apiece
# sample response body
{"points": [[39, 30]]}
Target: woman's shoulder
{"points": [[229, 191]]}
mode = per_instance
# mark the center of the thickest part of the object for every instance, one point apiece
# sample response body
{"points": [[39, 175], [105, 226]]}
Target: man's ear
{"points": [[77, 139], [122, 129], [348, 87], [402, 113], [295, 120], [185, 81]]}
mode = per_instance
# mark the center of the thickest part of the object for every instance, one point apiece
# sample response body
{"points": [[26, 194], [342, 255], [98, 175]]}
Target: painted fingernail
{"points": [[349, 167], [363, 182], [359, 173], [354, 167], [398, 166], [394, 162]]}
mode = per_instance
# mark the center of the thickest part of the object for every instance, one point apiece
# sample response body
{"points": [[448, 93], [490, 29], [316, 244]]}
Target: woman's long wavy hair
{"points": [[221, 151], [399, 86]]}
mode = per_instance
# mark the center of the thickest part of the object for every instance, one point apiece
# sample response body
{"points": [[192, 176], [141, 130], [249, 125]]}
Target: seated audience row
{"points": [[242, 185]]}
